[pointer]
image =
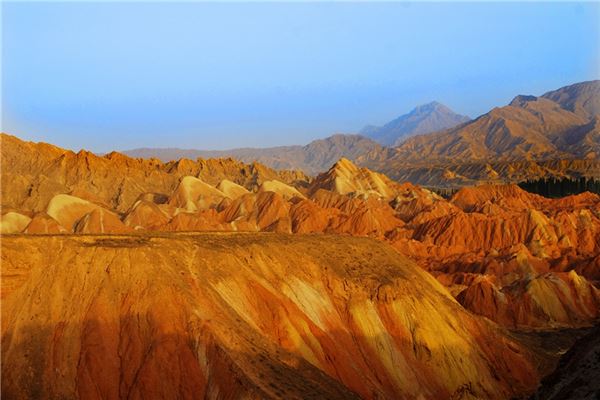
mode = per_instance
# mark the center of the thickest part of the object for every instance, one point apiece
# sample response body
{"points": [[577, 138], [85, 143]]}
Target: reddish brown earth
{"points": [[505, 253]]}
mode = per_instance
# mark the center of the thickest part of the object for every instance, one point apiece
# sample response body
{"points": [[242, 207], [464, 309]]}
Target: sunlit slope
{"points": [[240, 315], [33, 173]]}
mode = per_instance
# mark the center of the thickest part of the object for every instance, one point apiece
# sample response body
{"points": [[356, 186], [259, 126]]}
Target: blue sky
{"points": [[111, 75]]}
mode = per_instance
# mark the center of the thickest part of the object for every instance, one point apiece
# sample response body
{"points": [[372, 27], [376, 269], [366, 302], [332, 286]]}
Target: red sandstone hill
{"points": [[241, 316], [32, 173], [502, 251]]}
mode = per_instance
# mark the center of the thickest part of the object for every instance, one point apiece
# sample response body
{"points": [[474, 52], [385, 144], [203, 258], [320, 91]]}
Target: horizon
{"points": [[170, 76]]}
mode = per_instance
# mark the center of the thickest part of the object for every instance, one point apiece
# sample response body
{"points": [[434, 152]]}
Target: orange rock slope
{"points": [[514, 257], [33, 173], [252, 315]]}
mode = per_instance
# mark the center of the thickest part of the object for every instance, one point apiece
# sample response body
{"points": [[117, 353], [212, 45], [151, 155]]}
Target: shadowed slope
{"points": [[257, 315], [576, 376], [581, 98]]}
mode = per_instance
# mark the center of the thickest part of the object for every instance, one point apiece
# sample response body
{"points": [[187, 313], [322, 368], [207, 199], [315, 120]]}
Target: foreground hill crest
{"points": [[194, 315]]}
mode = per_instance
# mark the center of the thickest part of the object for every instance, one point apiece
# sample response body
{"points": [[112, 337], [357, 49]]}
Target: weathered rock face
{"points": [[193, 194], [43, 224], [101, 221], [147, 215], [504, 253], [13, 222], [240, 315]]}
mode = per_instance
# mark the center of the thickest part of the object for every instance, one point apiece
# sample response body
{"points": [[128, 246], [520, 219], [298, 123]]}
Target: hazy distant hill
{"points": [[315, 157], [423, 119], [526, 139], [554, 135], [529, 128]]}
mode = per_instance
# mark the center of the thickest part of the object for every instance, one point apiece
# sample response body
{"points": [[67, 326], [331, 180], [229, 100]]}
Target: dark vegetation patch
{"points": [[554, 188]]}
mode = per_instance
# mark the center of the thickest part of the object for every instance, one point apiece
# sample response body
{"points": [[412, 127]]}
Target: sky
{"points": [[118, 75]]}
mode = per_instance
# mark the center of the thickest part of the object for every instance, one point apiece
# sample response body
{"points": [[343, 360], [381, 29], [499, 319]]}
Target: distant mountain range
{"points": [[423, 119], [521, 140], [315, 157], [529, 128], [582, 98], [554, 135], [319, 155]]}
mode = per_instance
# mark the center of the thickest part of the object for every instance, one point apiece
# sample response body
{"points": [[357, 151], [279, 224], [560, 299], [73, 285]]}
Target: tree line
{"points": [[561, 187]]}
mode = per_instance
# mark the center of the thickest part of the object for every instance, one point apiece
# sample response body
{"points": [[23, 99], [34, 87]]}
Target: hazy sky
{"points": [[106, 76]]}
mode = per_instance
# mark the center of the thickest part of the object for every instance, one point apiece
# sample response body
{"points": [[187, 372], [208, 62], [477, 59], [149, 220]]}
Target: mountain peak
{"points": [[425, 118], [521, 100], [345, 177], [343, 162], [430, 107], [557, 125]]}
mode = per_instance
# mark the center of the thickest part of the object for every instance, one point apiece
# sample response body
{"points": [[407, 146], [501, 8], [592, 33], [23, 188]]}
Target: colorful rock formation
{"points": [[241, 315]]}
